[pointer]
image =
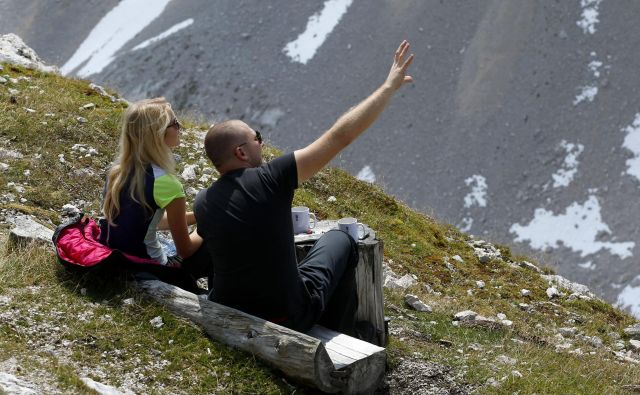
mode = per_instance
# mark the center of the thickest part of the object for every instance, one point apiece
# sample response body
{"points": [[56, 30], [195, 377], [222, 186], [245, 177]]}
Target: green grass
{"points": [[99, 333]]}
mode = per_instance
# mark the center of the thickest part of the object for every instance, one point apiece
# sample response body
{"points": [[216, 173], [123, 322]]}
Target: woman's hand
{"points": [[186, 244]]}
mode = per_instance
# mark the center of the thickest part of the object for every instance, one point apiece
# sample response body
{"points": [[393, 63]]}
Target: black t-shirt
{"points": [[245, 219]]}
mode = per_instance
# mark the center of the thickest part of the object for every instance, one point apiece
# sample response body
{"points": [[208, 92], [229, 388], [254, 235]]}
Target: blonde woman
{"points": [[142, 195]]}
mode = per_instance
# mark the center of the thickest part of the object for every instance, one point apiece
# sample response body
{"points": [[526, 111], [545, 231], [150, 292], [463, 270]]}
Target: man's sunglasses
{"points": [[174, 122], [258, 138]]}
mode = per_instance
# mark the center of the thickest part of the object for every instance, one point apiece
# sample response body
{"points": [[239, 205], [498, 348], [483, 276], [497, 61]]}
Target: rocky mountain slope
{"points": [[466, 315]]}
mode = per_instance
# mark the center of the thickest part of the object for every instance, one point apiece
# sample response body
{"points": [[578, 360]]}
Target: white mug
{"points": [[300, 217], [351, 225]]}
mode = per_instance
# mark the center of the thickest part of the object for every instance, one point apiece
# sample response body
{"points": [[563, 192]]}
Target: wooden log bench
{"points": [[324, 359], [368, 275]]}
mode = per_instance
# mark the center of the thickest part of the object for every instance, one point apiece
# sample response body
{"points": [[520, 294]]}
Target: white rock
{"points": [[27, 230], [530, 266], [466, 315], [189, 172], [457, 258], [127, 302], [13, 50], [619, 345], [4, 167], [191, 191], [10, 384], [516, 374], [506, 322], [61, 158], [552, 292], [596, 342], [156, 322], [88, 106], [417, 304], [635, 344], [492, 382], [571, 286], [525, 292], [501, 316], [505, 360], [568, 332], [30, 110], [3, 80], [102, 389], [480, 284], [633, 331], [331, 199], [81, 120], [13, 92], [524, 306]]}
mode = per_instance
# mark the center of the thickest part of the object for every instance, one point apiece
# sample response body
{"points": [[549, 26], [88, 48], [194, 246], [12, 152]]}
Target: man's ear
{"points": [[240, 154]]}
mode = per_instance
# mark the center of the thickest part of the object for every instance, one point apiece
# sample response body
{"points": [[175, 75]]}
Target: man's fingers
{"points": [[401, 50], [408, 62]]}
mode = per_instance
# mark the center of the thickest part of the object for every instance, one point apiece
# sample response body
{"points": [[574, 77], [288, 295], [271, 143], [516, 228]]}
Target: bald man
{"points": [[245, 219]]}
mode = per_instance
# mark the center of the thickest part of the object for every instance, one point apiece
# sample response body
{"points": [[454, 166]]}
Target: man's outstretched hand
{"points": [[398, 73]]}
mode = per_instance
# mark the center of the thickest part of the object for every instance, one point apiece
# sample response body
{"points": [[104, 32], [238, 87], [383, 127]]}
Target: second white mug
{"points": [[300, 216], [351, 226]]}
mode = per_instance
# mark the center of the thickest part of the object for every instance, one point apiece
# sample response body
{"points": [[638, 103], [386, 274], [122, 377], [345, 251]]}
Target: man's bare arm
{"points": [[349, 126]]}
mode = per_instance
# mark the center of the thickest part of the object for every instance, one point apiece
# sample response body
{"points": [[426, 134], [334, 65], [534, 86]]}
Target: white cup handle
{"points": [[315, 220]]}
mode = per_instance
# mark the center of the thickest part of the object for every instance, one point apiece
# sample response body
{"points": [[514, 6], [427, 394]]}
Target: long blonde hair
{"points": [[141, 143]]}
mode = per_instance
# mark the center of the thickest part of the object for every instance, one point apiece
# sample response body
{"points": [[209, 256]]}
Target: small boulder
{"points": [[27, 230], [415, 303], [633, 331], [467, 315], [552, 292]]}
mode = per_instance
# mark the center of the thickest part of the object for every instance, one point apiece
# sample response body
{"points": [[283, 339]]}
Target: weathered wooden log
{"points": [[345, 365], [368, 276]]}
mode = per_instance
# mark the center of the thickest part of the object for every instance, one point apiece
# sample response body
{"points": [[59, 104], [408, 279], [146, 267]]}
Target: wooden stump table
{"points": [[368, 274]]}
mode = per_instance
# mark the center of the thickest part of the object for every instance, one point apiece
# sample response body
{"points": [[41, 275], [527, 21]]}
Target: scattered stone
{"points": [[69, 210], [331, 199], [423, 377], [27, 230], [525, 292], [619, 345], [127, 302], [501, 316], [3, 80], [81, 120], [88, 106], [83, 291], [524, 306], [156, 322], [189, 172], [568, 332], [11, 384], [568, 285], [480, 284], [552, 292], [10, 154], [457, 258], [635, 344], [492, 382], [30, 110], [467, 315], [633, 331], [505, 360], [13, 92], [391, 281], [103, 389], [415, 303], [530, 266], [516, 374]]}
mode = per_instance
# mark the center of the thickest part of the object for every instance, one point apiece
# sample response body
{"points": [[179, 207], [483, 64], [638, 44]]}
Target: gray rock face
{"points": [[633, 331], [415, 303], [27, 230], [13, 50], [14, 385]]}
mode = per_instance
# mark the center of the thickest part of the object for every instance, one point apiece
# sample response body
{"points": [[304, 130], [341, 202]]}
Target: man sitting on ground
{"points": [[245, 219]]}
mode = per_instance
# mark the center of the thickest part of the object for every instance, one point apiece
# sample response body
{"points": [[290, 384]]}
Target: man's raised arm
{"points": [[349, 126]]}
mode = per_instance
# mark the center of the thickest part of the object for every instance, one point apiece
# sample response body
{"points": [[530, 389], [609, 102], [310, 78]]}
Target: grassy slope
{"points": [[117, 345]]}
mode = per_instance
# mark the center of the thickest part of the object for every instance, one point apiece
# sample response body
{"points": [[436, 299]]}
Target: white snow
{"points": [[565, 174], [632, 143], [366, 175], [173, 29], [588, 265], [629, 297], [319, 26], [589, 16], [594, 66], [13, 385], [466, 224], [577, 229], [478, 194], [114, 30], [587, 93]]}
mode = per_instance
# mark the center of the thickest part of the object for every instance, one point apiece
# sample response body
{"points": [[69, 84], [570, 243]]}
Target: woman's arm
{"points": [[186, 244], [164, 222]]}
